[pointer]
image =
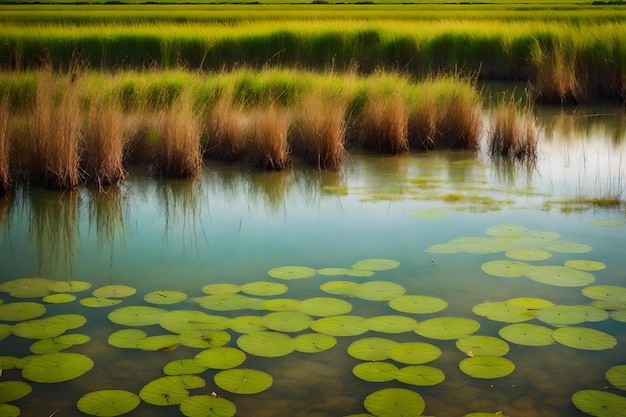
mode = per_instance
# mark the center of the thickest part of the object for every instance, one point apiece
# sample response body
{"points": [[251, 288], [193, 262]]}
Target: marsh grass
{"points": [[6, 180], [384, 124], [226, 127], [141, 133], [267, 137], [104, 144], [513, 132], [422, 124], [557, 76], [458, 121]]}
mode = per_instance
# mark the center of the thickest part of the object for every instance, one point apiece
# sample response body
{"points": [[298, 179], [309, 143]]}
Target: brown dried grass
{"points": [[267, 137], [104, 144], [384, 124]]}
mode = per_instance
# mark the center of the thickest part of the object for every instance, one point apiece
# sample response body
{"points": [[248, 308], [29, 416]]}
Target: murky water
{"points": [[235, 225]]}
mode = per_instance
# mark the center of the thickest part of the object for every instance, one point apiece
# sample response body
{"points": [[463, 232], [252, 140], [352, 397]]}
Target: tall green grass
{"points": [[5, 146]]}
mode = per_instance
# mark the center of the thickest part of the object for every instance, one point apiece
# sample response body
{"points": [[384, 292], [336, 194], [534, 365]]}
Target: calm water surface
{"points": [[233, 226]]}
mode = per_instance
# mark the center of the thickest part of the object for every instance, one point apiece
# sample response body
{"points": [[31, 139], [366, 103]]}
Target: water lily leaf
{"points": [[333, 272], [340, 325], [600, 403], [21, 311], [529, 303], [27, 287], [165, 297], [266, 344], [447, 328], [360, 273], [608, 223], [376, 264], [527, 334], [69, 286], [418, 304], [506, 230], [228, 302], [9, 410], [247, 324], [184, 367], [584, 265], [324, 306], [619, 316], [584, 338], [560, 276], [220, 289], [528, 254], [287, 321], [609, 305], [207, 406], [204, 339], [13, 390], [486, 367], [344, 288], [221, 358], [430, 214], [479, 414], [616, 375], [57, 344], [611, 293], [506, 269], [126, 338], [108, 403], [375, 371], [371, 348], [559, 315], [170, 390], [503, 312], [114, 291], [181, 321], [281, 304], [314, 342], [8, 362], [378, 291], [562, 246], [48, 327], [56, 367], [391, 324], [475, 345], [96, 302], [443, 248], [262, 288], [166, 343], [421, 375], [137, 315], [243, 381], [59, 298], [5, 330], [291, 272], [414, 353], [394, 402]]}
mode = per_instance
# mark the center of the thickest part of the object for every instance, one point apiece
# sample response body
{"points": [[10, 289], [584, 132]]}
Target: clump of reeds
{"points": [[556, 76], [178, 152], [226, 126], [513, 132], [141, 133], [267, 137], [384, 124], [318, 133], [458, 123], [422, 124], [6, 180]]}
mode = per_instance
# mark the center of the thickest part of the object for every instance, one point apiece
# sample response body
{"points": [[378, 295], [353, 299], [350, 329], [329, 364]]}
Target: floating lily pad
{"points": [[371, 348], [562, 246], [264, 288], [528, 254], [527, 334], [137, 315], [414, 353], [96, 302], [281, 304], [421, 375], [287, 321], [204, 339], [221, 358], [375, 371], [503, 312], [48, 327], [184, 367], [609, 305], [162, 343], [584, 338], [376, 264], [391, 324], [324, 306], [506, 269], [430, 214], [9, 410], [479, 414], [207, 406], [165, 297], [57, 344], [59, 298], [529, 303], [506, 230], [13, 390], [69, 286], [360, 273], [220, 289], [418, 304], [126, 338], [229, 302], [600, 403], [378, 291], [243, 381], [333, 272], [584, 265], [181, 321], [447, 328], [314, 342], [5, 330], [560, 315], [344, 288], [608, 223], [616, 375], [8, 362], [291, 272], [56, 367], [340, 325], [394, 402], [611, 293], [266, 344], [619, 316], [486, 367], [560, 276], [475, 345], [21, 311], [108, 403], [27, 287], [247, 324], [169, 390], [114, 291]]}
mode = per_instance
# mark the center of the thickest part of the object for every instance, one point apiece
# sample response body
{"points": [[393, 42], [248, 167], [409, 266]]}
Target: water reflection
{"points": [[108, 210]]}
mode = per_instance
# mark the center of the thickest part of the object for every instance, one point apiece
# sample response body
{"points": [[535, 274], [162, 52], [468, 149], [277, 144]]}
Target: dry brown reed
{"points": [[513, 132], [422, 124], [318, 133], [226, 128], [384, 123], [6, 180], [557, 78], [141, 133], [267, 137], [458, 122]]}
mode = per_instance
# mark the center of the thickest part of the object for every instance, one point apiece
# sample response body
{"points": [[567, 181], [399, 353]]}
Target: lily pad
{"points": [[114, 291], [266, 344], [584, 265], [165, 297], [421, 375], [281, 304], [529, 303], [108, 403], [57, 344], [27, 287], [418, 304], [220, 289], [486, 367], [184, 367], [447, 328], [376, 264], [375, 371], [584, 338], [371, 348], [506, 269], [159, 343], [619, 316], [221, 358], [126, 338], [414, 353], [503, 312], [378, 291], [391, 324], [394, 402], [228, 302], [324, 306], [291, 272], [360, 273], [560, 276], [207, 406], [287, 321], [9, 410], [247, 324], [21, 311], [56, 367], [506, 230], [475, 345], [560, 315], [333, 272], [600, 403], [340, 325], [527, 334], [181, 321], [97, 302], [13, 390], [314, 342], [611, 293], [608, 223], [264, 288], [137, 315], [344, 288], [616, 375], [69, 286], [528, 254], [243, 381], [5, 330], [48, 327], [59, 298], [562, 246], [430, 214], [8, 362], [204, 339], [169, 390]]}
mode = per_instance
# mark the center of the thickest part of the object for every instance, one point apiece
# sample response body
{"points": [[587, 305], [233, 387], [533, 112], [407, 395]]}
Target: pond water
{"points": [[234, 226]]}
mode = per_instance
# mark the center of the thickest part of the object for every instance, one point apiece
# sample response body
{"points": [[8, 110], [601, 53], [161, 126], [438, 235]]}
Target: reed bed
{"points": [[104, 144], [227, 125], [267, 137], [384, 123], [513, 132], [6, 179]]}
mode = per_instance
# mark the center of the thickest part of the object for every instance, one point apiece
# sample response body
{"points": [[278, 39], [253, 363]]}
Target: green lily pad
{"points": [[584, 265], [378, 291], [108, 403], [184, 367], [59, 298], [137, 315], [371, 348], [609, 305], [375, 371], [243, 381], [376, 264], [584, 338], [619, 316], [608, 223], [414, 353], [207, 406], [9, 410], [162, 343], [13, 390], [527, 334], [420, 375], [57, 344], [333, 272], [430, 214], [479, 414], [611, 293], [287, 321], [221, 358], [560, 315], [56, 367], [247, 324], [503, 312], [560, 276], [506, 230], [181, 321], [114, 291], [447, 328], [127, 338], [281, 304], [220, 289], [96, 302], [486, 367], [314, 342], [69, 286], [529, 303], [264, 288], [291, 272], [27, 287], [21, 311], [5, 330], [228, 302], [391, 324], [475, 345], [360, 273], [204, 339], [340, 325], [266, 344], [418, 304], [506, 269], [165, 297], [600, 403], [562, 246], [394, 402], [616, 375], [8, 362], [344, 288], [169, 390], [48, 327], [528, 254], [324, 306]]}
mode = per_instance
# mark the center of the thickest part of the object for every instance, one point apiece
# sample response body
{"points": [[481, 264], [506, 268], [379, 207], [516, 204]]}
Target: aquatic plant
{"points": [[267, 137], [104, 144], [5, 145], [513, 133], [383, 124], [226, 125]]}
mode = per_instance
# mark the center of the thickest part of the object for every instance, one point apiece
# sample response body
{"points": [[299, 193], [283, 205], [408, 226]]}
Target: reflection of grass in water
{"points": [[5, 134], [181, 202], [269, 189], [6, 204], [106, 212]]}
